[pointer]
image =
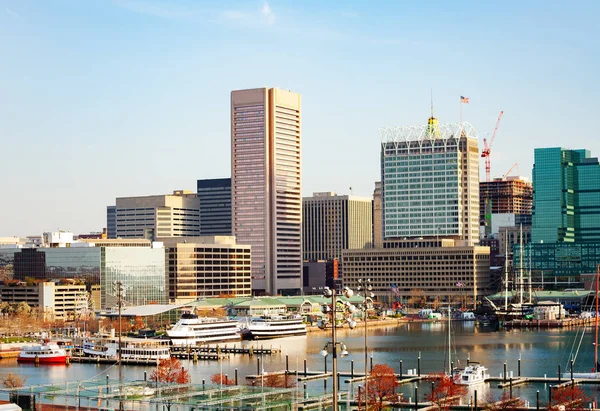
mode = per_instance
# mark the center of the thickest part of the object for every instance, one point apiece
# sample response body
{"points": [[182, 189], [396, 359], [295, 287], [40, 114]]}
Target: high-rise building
{"points": [[566, 202], [332, 223], [215, 206], [266, 186], [430, 179], [377, 216], [501, 197], [171, 215]]}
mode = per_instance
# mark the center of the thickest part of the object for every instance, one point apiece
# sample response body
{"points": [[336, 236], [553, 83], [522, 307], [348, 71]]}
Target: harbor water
{"points": [[541, 352]]}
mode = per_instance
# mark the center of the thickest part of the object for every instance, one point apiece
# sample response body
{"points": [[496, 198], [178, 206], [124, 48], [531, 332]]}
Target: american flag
{"points": [[395, 289], [464, 99]]}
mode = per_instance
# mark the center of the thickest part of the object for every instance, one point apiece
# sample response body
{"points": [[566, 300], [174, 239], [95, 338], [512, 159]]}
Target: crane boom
{"points": [[511, 169], [487, 149]]}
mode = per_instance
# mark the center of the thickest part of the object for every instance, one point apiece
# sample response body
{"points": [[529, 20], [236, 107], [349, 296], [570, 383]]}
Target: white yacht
{"points": [[192, 330], [473, 373], [273, 327], [131, 348]]}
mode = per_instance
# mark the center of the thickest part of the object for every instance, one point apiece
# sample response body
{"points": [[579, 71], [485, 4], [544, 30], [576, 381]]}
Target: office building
{"points": [[208, 266], [436, 269], [430, 179], [172, 215], [140, 269], [316, 275], [332, 223], [266, 186], [111, 221], [215, 206], [377, 216], [56, 301], [566, 196]]}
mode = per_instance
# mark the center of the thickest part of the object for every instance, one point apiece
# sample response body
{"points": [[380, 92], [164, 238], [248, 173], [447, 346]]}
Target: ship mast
{"points": [[521, 268], [506, 272], [596, 322]]}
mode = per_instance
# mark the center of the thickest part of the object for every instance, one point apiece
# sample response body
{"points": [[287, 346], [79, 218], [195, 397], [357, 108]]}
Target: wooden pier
{"points": [[184, 352]]}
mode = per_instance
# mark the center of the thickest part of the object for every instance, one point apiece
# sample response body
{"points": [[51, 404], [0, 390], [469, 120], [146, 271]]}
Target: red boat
{"points": [[46, 353]]}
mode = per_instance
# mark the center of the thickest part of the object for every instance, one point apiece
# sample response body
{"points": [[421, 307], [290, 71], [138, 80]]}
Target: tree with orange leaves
{"points": [[444, 391], [138, 324], [170, 370], [221, 379], [504, 403], [571, 397], [381, 388]]}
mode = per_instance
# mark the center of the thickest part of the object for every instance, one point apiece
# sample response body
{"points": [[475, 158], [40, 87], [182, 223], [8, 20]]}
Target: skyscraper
{"points": [[377, 216], [430, 178], [215, 206], [266, 186], [566, 201], [332, 223]]}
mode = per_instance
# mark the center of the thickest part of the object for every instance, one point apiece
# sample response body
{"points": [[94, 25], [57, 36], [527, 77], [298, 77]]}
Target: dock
{"points": [[184, 352], [133, 361]]}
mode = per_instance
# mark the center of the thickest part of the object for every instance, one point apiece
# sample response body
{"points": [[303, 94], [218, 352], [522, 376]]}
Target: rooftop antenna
{"points": [[432, 103]]}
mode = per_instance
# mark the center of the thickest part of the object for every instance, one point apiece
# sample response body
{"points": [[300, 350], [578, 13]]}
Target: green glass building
{"points": [[566, 196], [565, 235]]}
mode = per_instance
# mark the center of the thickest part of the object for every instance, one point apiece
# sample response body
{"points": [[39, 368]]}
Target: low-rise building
{"points": [[209, 266], [435, 268], [55, 301]]}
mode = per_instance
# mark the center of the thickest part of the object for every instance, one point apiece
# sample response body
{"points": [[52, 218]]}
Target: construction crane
{"points": [[487, 149], [511, 169]]}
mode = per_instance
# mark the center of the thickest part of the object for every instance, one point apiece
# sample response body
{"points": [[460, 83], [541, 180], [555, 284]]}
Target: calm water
{"points": [[541, 351]]}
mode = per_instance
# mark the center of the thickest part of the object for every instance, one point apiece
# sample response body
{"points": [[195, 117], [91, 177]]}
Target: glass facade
{"points": [[141, 269], [560, 263], [215, 206], [566, 201]]}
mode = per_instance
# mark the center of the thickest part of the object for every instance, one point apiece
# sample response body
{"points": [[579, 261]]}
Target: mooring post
{"points": [[419, 365], [475, 400], [400, 369], [287, 364], [416, 398], [549, 397], [325, 362], [519, 367], [510, 388], [145, 376], [571, 370], [203, 383], [371, 364], [537, 400], [258, 365], [351, 368], [325, 385], [236, 377], [305, 370], [305, 394], [504, 378], [559, 373], [338, 379]]}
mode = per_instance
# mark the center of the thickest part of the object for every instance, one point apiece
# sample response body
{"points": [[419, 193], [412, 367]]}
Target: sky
{"points": [[113, 98]]}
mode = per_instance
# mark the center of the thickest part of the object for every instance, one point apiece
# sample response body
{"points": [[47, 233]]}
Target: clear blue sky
{"points": [[102, 99]]}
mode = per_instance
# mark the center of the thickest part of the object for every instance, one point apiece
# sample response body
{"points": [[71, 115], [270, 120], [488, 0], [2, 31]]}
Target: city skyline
{"points": [[103, 96]]}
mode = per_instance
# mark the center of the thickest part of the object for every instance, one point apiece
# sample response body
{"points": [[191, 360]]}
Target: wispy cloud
{"points": [[14, 14], [267, 13]]}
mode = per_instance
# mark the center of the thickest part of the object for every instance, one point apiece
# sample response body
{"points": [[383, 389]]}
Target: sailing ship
{"points": [[474, 373], [594, 373]]}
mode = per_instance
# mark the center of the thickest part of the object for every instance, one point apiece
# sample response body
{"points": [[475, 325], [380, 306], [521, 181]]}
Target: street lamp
{"points": [[366, 286], [330, 293], [118, 289]]}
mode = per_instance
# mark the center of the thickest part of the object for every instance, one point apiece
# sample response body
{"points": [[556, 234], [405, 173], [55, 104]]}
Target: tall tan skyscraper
{"points": [[266, 186]]}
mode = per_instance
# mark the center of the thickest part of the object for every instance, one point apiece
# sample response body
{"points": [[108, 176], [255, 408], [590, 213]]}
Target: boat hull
{"points": [[61, 359], [263, 335]]}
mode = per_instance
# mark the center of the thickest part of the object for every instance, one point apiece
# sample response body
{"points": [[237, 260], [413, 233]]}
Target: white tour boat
{"points": [[46, 353], [131, 348], [474, 373], [192, 330], [273, 327]]}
